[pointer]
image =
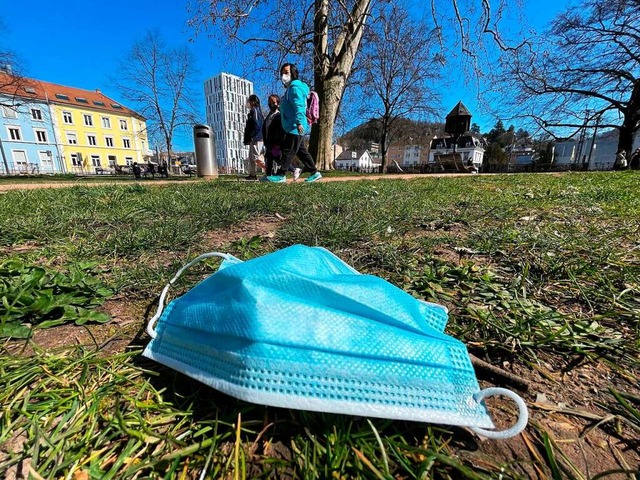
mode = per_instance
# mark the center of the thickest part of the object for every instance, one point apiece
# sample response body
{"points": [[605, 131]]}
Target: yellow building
{"points": [[95, 133]]}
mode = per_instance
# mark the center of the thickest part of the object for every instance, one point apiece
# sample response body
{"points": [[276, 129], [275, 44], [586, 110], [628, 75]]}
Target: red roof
{"points": [[62, 95]]}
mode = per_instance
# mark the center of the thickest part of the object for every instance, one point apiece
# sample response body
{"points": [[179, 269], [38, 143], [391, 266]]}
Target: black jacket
{"points": [[253, 127], [275, 136]]}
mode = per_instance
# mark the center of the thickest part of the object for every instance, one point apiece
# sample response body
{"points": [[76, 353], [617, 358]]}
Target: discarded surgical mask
{"points": [[299, 328]]}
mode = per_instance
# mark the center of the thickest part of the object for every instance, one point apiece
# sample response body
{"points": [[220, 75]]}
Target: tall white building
{"points": [[226, 96]]}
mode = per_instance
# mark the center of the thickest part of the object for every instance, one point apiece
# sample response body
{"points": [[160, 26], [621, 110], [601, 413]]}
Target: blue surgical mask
{"points": [[301, 329]]}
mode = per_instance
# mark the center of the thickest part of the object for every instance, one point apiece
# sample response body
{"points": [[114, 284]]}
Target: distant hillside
{"points": [[405, 131]]}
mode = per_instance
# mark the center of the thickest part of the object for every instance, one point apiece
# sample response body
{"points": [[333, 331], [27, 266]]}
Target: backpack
{"points": [[313, 107]]}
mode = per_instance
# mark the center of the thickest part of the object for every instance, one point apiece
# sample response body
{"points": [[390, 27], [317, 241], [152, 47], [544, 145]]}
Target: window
{"points": [[99, 104], [123, 125], [29, 89], [75, 159], [46, 158], [14, 133], [36, 114], [62, 96], [9, 112], [72, 139], [67, 118], [91, 139], [41, 136], [128, 160], [20, 159], [112, 160], [81, 100], [108, 141], [116, 106], [88, 120], [106, 122], [126, 142], [95, 160]]}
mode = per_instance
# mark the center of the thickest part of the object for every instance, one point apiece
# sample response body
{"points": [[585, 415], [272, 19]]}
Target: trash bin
{"points": [[206, 163]]}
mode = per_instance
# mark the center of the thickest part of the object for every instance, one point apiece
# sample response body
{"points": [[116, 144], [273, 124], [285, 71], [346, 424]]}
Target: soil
{"points": [[89, 183]]}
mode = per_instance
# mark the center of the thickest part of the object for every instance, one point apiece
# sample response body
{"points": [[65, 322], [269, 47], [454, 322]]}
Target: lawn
{"points": [[541, 275]]}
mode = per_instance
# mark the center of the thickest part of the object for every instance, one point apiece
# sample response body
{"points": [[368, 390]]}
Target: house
{"points": [[356, 160], [589, 153], [466, 153], [53, 128]]}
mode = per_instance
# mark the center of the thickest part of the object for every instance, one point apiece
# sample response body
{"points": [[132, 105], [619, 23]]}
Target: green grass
{"points": [[539, 271]]}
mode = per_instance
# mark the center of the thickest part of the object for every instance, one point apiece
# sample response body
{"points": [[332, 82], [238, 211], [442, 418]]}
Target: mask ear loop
{"points": [[152, 333], [523, 414]]}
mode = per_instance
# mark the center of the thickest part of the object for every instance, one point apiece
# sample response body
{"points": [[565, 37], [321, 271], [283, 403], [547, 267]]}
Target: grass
{"points": [[540, 273]]}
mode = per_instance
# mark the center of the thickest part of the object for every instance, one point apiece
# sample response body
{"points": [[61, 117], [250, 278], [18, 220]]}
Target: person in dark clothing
{"points": [[136, 170], [253, 134], [273, 137], [634, 164], [293, 111]]}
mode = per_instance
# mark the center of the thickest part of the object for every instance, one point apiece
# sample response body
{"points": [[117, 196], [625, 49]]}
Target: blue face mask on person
{"points": [[299, 328]]}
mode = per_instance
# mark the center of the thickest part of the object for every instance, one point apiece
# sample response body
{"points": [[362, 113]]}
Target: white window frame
{"points": [[78, 160], [87, 116], [10, 136], [15, 162], [5, 112], [46, 159], [112, 160], [128, 161], [36, 131], [108, 141], [93, 161], [38, 117], [126, 143], [124, 125], [95, 140], [106, 122], [75, 138], [64, 117]]}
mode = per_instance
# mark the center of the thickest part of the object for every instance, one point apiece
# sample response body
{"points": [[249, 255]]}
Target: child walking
{"points": [[253, 134]]}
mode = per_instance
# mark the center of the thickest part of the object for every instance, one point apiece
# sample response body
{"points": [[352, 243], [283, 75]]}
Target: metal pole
{"points": [[593, 142], [4, 157]]}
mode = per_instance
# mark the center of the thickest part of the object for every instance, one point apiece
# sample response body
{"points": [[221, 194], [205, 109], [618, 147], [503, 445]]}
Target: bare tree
{"points": [[397, 69], [585, 70], [158, 81], [327, 32]]}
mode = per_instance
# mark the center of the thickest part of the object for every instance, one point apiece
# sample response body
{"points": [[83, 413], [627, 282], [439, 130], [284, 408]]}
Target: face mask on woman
{"points": [[273, 107], [286, 79]]}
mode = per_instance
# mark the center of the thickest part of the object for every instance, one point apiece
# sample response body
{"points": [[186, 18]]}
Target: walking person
{"points": [[634, 164], [273, 137], [621, 161], [253, 134], [293, 113], [136, 170]]}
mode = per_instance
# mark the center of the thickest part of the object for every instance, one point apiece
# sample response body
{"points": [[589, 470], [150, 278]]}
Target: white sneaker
{"points": [[296, 173]]}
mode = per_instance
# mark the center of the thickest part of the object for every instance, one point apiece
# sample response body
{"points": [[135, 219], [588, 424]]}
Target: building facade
{"points": [[592, 154], [27, 139], [69, 130], [360, 161], [467, 153], [226, 97]]}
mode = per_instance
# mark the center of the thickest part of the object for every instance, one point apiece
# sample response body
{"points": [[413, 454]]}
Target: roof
{"points": [[347, 154], [63, 95], [459, 110]]}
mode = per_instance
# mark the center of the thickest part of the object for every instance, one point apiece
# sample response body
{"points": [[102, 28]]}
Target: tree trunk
{"points": [[383, 146], [321, 145], [331, 72], [631, 122]]}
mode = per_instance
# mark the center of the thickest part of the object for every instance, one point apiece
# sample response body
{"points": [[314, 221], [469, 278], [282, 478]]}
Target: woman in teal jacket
{"points": [[293, 112]]}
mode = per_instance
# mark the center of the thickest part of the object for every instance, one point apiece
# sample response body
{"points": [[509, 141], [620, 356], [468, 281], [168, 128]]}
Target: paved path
{"points": [[89, 183]]}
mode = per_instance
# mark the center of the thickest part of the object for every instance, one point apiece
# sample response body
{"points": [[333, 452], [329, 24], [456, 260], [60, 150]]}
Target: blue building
{"points": [[27, 139]]}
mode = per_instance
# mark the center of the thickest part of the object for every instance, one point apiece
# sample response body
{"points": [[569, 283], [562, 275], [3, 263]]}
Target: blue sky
{"points": [[81, 43]]}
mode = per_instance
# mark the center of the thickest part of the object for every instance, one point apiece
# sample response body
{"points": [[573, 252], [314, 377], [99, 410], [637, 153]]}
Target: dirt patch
{"points": [[112, 337], [265, 226]]}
